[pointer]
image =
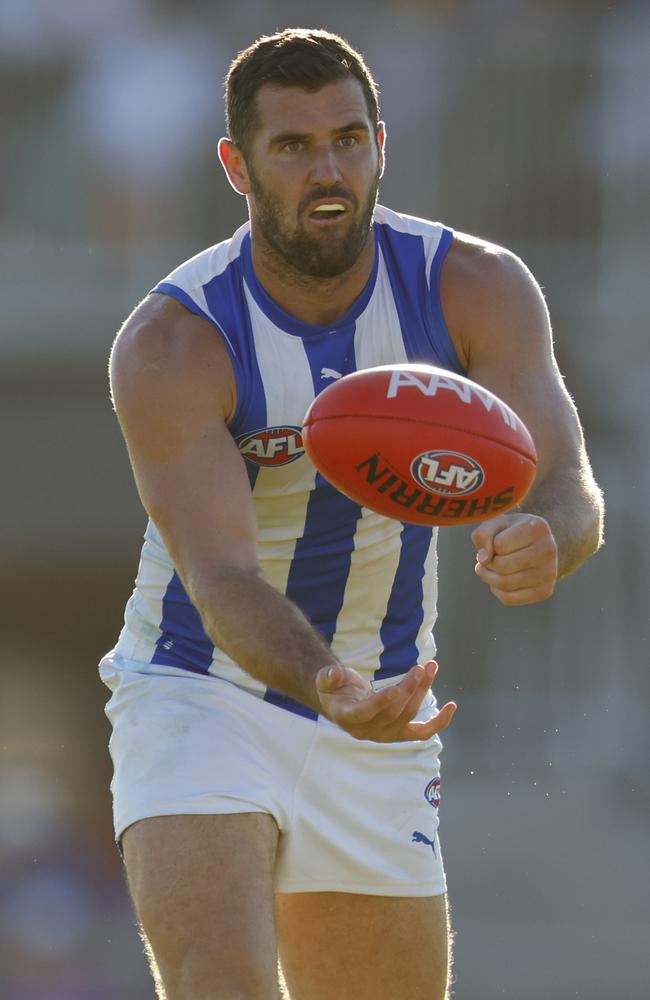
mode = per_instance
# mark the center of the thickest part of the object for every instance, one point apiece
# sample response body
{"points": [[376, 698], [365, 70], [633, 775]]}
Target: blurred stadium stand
{"points": [[523, 121]]}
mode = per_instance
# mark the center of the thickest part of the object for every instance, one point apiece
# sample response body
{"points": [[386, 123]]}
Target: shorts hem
{"points": [[437, 888], [232, 807]]}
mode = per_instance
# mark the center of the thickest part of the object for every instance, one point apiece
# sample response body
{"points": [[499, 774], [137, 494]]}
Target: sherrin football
{"points": [[420, 444]]}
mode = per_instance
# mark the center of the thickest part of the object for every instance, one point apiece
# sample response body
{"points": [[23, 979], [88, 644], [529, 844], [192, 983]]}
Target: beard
{"points": [[322, 255]]}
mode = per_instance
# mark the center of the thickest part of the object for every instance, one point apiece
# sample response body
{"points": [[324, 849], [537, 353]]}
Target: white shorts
{"points": [[354, 816]]}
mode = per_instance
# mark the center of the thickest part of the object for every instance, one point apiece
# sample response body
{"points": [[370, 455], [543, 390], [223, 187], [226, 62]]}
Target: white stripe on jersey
{"points": [[378, 339], [377, 545], [425, 642], [283, 492], [374, 561]]}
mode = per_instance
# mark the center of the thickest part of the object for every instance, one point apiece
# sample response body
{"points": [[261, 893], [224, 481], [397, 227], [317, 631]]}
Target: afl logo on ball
{"points": [[432, 792], [271, 445], [447, 473]]}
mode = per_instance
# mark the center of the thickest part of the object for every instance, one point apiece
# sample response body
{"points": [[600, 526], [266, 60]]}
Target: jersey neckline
{"points": [[291, 324]]}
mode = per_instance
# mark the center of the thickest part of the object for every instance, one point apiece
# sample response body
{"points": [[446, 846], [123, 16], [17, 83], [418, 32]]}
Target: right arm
{"points": [[173, 390]]}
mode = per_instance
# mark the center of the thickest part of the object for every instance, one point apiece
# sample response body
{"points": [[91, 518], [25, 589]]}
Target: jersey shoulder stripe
{"points": [[414, 251]]}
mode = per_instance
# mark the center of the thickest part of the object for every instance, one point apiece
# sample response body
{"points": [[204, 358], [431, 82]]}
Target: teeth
{"points": [[330, 208]]}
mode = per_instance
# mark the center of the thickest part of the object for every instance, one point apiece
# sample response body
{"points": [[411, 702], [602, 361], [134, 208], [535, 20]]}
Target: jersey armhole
{"points": [[175, 292], [440, 332]]}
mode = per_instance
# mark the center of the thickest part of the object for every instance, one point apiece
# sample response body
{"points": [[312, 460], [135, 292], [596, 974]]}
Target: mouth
{"points": [[328, 212]]}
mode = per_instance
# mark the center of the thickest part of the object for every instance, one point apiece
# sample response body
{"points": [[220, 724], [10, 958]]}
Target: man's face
{"points": [[314, 164]]}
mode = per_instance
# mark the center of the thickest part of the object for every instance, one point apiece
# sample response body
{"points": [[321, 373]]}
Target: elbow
{"points": [[584, 543], [596, 532]]}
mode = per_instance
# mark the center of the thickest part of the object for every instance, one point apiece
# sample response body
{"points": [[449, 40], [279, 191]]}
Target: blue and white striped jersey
{"points": [[368, 583]]}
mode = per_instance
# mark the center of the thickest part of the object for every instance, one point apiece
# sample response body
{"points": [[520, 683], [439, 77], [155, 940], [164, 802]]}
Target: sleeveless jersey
{"points": [[367, 582]]}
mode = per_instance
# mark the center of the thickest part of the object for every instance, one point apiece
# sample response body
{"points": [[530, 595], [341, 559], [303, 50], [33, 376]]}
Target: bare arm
{"points": [[502, 331], [174, 390]]}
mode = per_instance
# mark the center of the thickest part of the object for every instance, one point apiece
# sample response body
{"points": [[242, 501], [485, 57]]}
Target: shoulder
{"points": [[489, 296], [477, 267], [163, 351]]}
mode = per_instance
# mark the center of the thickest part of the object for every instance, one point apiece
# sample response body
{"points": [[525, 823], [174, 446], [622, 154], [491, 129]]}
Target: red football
{"points": [[420, 444]]}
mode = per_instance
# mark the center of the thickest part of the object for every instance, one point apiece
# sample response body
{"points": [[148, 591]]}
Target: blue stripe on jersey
{"points": [[322, 555], [226, 298], [400, 627], [426, 340], [320, 568], [444, 345], [421, 319], [183, 641]]}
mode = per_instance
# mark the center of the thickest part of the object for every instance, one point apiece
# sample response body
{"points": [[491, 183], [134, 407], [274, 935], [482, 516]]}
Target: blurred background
{"points": [[523, 121]]}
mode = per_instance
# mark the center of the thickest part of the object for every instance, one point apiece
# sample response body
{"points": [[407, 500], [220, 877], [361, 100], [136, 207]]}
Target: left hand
{"points": [[517, 558], [385, 716]]}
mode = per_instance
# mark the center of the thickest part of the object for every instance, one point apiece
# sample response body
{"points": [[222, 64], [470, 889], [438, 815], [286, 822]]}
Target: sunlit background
{"points": [[523, 121]]}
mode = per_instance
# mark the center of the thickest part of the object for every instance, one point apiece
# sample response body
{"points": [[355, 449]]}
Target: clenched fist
{"points": [[517, 558]]}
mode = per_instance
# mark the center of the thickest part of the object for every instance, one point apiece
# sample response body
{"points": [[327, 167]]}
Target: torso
{"points": [[367, 582]]}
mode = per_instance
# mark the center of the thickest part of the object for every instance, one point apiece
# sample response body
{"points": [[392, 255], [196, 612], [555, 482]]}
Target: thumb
{"points": [[483, 538], [329, 678]]}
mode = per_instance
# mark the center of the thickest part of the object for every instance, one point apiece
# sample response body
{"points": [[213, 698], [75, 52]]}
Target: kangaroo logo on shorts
{"points": [[432, 792], [271, 446], [447, 473]]}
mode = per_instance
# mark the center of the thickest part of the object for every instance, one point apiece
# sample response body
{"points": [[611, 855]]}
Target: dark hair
{"points": [[296, 57]]}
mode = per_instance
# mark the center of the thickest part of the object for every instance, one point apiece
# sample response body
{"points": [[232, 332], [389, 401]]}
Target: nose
{"points": [[325, 168]]}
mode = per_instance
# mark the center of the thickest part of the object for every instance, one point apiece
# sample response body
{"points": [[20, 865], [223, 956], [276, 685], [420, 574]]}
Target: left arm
{"points": [[500, 325]]}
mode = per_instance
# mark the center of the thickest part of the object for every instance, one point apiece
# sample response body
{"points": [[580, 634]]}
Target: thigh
{"points": [[356, 947], [202, 887]]}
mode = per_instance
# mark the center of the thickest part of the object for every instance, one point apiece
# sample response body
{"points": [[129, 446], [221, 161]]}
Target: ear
{"points": [[232, 160], [381, 145]]}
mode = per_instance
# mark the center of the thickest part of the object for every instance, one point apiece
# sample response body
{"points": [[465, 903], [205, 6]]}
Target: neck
{"points": [[319, 301]]}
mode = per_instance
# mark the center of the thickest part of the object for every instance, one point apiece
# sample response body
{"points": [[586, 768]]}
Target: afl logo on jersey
{"points": [[271, 445], [432, 792], [447, 473]]}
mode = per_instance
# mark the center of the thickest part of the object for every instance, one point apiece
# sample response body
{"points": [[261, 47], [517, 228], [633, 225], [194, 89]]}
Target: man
{"points": [[275, 737]]}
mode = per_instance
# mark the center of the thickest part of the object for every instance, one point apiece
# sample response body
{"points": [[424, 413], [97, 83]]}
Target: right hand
{"points": [[384, 716]]}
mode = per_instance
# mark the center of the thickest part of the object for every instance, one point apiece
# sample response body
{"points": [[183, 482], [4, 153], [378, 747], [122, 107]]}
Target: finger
{"points": [[415, 684], [425, 730], [530, 577], [431, 667], [366, 710], [526, 595], [336, 676], [329, 678], [527, 558], [413, 703], [525, 531], [526, 577], [483, 537], [412, 688], [396, 702]]}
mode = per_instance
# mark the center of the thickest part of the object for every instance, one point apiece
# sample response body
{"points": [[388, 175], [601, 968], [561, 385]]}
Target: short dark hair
{"points": [[296, 57]]}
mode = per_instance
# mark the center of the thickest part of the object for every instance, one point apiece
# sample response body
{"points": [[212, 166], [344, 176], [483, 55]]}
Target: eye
{"points": [[348, 141], [294, 147]]}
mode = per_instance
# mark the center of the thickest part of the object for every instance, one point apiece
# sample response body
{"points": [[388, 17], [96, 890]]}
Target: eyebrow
{"points": [[281, 137]]}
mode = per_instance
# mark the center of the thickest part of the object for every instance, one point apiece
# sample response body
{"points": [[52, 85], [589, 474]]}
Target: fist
{"points": [[517, 558]]}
